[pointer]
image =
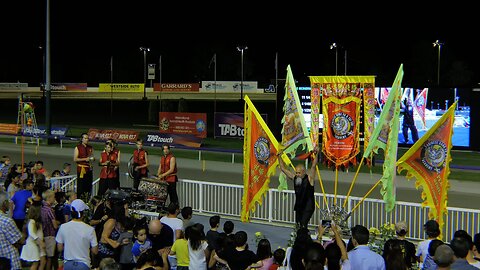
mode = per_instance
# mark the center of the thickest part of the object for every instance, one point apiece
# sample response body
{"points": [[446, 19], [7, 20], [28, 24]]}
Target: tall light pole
{"points": [[241, 49], [144, 50], [438, 44], [334, 46]]}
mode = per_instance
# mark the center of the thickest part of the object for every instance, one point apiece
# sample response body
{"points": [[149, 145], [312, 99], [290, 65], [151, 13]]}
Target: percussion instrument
{"points": [[154, 190]]}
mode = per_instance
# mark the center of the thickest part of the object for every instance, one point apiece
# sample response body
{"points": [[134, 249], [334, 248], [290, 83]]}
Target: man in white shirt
{"points": [[77, 239], [173, 221]]}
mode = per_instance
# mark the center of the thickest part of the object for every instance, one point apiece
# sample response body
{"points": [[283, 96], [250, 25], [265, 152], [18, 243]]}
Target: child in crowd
{"points": [[278, 258], [212, 234], [141, 244], [180, 249], [125, 240]]}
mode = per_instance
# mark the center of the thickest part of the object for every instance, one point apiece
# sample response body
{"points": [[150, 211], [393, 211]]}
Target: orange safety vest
{"points": [[165, 163]]}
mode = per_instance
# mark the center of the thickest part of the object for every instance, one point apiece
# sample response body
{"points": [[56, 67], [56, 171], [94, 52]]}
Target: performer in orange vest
{"points": [[140, 163], [83, 156], [108, 179], [167, 171]]}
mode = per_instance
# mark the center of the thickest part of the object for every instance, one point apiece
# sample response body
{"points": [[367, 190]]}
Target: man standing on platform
{"points": [[167, 171], [140, 164], [304, 189], [83, 156]]}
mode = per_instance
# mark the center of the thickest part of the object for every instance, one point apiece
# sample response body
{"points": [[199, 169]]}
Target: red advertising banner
{"points": [[68, 86], [183, 123], [9, 128], [176, 87], [117, 135]]}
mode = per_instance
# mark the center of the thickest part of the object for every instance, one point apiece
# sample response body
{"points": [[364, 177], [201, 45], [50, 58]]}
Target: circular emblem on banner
{"points": [[262, 150], [342, 125], [164, 124], [200, 125], [420, 101], [434, 155]]}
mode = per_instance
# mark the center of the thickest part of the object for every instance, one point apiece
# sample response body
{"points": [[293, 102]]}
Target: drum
{"points": [[154, 189]]}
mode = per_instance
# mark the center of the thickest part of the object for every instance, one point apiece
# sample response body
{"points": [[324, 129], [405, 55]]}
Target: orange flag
{"points": [[428, 161], [259, 159]]}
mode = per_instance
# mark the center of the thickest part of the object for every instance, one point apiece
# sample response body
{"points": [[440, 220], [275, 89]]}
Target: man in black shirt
{"points": [[160, 234], [408, 248]]}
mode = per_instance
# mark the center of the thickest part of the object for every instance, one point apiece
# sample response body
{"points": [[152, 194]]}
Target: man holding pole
{"points": [[304, 189]]}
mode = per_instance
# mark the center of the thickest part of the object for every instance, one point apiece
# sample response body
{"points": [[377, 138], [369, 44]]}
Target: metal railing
{"points": [[63, 183], [277, 208]]}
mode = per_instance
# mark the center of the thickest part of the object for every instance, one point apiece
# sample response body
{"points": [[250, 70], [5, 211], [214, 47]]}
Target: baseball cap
{"points": [[401, 226], [78, 205]]}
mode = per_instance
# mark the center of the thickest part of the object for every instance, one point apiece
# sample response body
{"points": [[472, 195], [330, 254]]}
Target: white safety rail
{"points": [[277, 208], [63, 183]]}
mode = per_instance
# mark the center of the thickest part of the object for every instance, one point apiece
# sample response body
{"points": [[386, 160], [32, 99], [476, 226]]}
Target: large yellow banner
{"points": [[120, 87]]}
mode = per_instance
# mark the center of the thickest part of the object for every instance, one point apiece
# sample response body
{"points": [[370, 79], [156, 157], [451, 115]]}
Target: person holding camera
{"points": [[108, 179], [83, 156], [304, 189]]}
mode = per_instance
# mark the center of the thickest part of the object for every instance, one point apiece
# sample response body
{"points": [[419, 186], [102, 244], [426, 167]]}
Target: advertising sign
{"points": [[9, 128], [184, 123], [230, 125], [67, 86], [118, 135], [41, 130], [176, 87], [230, 87], [120, 87], [158, 139]]}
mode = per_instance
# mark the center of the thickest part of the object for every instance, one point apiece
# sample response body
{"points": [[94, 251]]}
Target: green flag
{"points": [[382, 130]]}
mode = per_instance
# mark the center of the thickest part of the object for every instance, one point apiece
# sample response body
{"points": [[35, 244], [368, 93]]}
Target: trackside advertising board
{"points": [[194, 124], [230, 125]]}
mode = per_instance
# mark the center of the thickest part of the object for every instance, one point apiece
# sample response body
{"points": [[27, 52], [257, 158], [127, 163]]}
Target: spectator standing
{"points": [[142, 243], [432, 230], [5, 165], [361, 257], [278, 258], [10, 235], [67, 167], [127, 261], [239, 258], [187, 214], [161, 235], [460, 247], [77, 239], [407, 247], [180, 250], [444, 257], [212, 234], [172, 220], [197, 248], [108, 161], [34, 249], [19, 203], [264, 254], [49, 226]]}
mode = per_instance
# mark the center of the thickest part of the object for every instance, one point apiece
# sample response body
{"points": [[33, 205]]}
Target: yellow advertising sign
{"points": [[120, 87]]}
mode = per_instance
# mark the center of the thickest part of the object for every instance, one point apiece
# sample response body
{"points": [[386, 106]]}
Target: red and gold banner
{"points": [[428, 161], [337, 92], [259, 159], [341, 133]]}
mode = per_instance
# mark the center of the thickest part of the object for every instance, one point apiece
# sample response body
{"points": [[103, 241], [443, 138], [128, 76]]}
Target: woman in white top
{"points": [[197, 248], [34, 249]]}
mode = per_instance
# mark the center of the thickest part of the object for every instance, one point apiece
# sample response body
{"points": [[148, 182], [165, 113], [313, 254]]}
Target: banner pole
{"points": [[336, 184], [366, 195], [353, 181], [323, 189]]}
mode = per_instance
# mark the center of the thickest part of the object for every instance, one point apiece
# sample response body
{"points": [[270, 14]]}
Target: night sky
{"points": [[86, 34]]}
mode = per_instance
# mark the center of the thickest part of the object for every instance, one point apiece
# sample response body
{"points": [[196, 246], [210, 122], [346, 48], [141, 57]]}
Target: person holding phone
{"points": [[304, 189]]}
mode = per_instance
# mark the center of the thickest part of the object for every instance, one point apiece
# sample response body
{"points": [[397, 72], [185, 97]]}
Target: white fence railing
{"points": [[277, 207], [64, 183]]}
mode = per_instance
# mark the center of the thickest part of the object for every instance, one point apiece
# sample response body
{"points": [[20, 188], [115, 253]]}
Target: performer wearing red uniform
{"points": [[108, 175], [167, 171], [83, 155], [140, 163]]}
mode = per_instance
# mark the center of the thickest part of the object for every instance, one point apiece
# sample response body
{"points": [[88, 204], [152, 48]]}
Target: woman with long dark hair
{"points": [[112, 229], [197, 247], [264, 254]]}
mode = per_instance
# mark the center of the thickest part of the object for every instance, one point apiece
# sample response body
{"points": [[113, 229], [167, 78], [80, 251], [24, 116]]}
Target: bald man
{"points": [[160, 234], [304, 189]]}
